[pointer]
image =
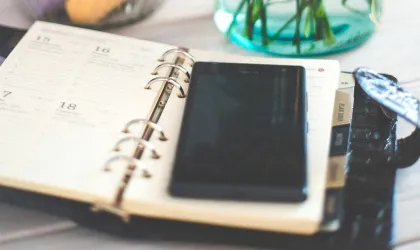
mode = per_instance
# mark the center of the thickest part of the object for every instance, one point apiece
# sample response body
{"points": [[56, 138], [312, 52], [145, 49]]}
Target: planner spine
{"points": [[168, 82], [338, 157]]}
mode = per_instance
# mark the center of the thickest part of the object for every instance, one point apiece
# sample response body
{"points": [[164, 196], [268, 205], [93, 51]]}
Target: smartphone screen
{"points": [[243, 134]]}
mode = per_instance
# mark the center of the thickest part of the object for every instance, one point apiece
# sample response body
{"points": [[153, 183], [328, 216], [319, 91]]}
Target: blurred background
{"points": [[294, 28], [373, 33], [288, 28]]}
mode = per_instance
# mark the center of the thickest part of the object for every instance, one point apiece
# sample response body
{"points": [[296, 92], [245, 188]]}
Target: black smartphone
{"points": [[243, 134]]}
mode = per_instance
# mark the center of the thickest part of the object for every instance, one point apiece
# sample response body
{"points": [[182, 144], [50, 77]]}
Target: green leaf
{"points": [[319, 8], [328, 35], [256, 10], [307, 28], [313, 23]]}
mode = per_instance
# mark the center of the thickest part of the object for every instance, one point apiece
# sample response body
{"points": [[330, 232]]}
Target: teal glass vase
{"points": [[298, 28]]}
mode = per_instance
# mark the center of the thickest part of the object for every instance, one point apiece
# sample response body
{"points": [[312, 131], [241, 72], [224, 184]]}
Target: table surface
{"points": [[393, 49]]}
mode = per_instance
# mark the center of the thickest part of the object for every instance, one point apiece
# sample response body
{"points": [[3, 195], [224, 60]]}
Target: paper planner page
{"points": [[150, 197], [66, 94]]}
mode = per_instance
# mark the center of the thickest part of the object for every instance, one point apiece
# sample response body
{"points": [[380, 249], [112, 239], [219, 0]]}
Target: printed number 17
{"points": [[6, 93]]}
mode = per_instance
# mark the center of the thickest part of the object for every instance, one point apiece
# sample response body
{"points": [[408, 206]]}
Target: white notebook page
{"points": [[149, 196], [65, 96]]}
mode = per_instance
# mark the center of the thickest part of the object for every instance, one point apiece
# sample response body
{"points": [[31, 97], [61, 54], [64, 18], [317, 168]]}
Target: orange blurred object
{"points": [[97, 14], [86, 12]]}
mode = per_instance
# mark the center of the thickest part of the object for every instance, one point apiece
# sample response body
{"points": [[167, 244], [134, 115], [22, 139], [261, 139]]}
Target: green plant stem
{"points": [[296, 39], [264, 24], [254, 12], [235, 16], [316, 23], [279, 31], [249, 29]]}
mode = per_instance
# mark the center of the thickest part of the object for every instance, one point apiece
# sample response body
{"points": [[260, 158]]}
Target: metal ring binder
{"points": [[181, 93], [148, 145], [179, 67], [170, 80], [179, 51], [130, 160], [153, 125], [141, 142]]}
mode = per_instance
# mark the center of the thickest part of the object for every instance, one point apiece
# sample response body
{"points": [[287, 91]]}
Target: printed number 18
{"points": [[70, 106], [43, 39], [103, 50]]}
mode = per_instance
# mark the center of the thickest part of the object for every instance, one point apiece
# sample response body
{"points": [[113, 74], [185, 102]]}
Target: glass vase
{"points": [[298, 28]]}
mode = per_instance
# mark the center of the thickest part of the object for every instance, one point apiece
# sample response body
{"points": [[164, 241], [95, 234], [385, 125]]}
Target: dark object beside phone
{"points": [[243, 134]]}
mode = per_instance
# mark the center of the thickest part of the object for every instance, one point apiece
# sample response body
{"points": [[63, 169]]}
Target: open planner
{"points": [[95, 118]]}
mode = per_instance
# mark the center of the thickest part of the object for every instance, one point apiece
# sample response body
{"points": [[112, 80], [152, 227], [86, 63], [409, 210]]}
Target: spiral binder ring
{"points": [[153, 125], [181, 93], [179, 51], [148, 145], [179, 67], [130, 160], [141, 142]]}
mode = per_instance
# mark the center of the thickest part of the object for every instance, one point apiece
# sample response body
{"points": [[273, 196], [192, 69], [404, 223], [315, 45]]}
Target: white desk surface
{"points": [[394, 49]]}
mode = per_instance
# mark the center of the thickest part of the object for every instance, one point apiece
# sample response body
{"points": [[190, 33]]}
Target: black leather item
{"points": [[8, 40], [368, 199]]}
